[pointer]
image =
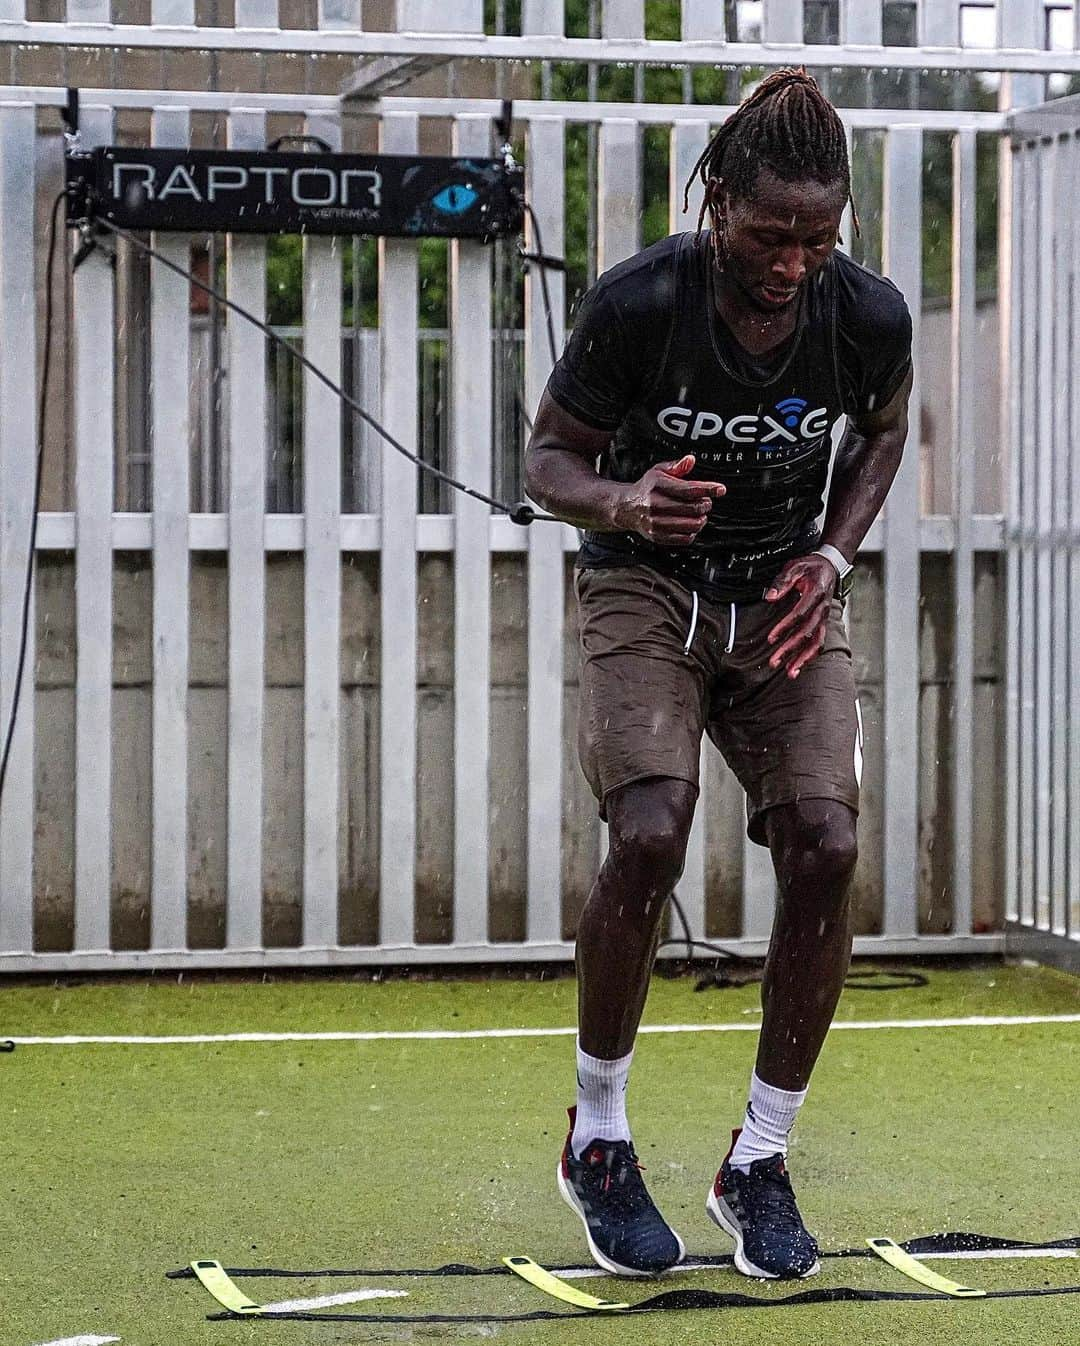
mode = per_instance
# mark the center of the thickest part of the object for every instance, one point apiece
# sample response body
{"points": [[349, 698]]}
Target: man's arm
{"points": [[866, 463], [561, 475]]}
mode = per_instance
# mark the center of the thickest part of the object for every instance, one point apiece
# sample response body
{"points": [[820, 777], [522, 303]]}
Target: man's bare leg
{"points": [[648, 826], [599, 1177], [813, 849]]}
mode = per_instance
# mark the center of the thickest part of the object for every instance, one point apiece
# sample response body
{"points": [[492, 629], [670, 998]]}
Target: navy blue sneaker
{"points": [[627, 1235], [758, 1210]]}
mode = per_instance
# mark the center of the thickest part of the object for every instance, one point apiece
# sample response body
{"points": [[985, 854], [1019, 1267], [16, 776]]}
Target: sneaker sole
{"points": [[600, 1258], [721, 1214]]}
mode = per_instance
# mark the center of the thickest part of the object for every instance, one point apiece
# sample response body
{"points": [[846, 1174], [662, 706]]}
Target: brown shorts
{"points": [[653, 679]]}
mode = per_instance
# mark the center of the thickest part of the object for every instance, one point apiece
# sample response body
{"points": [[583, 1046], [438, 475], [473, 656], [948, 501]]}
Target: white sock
{"points": [[770, 1115], [601, 1100]]}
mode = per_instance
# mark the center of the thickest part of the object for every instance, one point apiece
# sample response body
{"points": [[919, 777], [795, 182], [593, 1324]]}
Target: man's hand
{"points": [[800, 633], [664, 507]]}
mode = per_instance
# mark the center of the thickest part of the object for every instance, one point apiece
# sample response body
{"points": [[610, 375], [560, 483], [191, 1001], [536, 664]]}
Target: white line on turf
{"points": [[328, 1301], [441, 1034], [81, 1341]]}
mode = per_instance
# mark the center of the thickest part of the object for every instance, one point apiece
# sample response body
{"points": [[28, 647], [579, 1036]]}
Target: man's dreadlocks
{"points": [[786, 125]]}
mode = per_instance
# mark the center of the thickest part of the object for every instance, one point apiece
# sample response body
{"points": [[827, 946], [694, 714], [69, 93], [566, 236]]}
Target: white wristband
{"points": [[837, 558]]}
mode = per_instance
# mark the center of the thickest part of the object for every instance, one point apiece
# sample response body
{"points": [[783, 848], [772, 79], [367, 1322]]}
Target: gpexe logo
{"points": [[790, 424]]}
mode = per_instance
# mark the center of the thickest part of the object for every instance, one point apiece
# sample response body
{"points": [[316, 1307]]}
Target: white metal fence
{"points": [[245, 536], [1010, 35], [1043, 673]]}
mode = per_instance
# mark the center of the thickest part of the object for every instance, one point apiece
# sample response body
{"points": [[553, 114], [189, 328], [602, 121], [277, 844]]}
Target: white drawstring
{"points": [[731, 631], [693, 625]]}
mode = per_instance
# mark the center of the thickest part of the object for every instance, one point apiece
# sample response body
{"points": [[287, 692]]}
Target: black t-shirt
{"points": [[651, 359]]}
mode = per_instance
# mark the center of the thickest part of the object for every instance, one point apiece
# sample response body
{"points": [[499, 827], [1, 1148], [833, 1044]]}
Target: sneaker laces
{"points": [[774, 1195], [622, 1168]]}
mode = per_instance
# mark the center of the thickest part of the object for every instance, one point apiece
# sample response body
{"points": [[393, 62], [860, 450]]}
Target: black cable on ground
{"points": [[860, 979], [668, 1301]]}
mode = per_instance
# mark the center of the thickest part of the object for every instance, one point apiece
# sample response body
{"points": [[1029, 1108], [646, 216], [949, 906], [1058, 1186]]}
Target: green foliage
{"points": [[576, 245], [361, 267], [655, 144], [511, 16], [434, 289], [662, 20], [284, 280]]}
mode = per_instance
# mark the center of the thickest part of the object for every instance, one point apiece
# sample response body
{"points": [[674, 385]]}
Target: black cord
{"points": [[46, 360], [861, 979], [520, 513], [543, 261]]}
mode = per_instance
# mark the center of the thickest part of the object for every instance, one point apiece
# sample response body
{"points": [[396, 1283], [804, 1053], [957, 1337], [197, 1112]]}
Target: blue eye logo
{"points": [[455, 199], [792, 408]]}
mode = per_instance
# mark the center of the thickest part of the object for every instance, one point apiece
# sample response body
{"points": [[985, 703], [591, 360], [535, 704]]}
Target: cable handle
{"points": [[317, 141]]}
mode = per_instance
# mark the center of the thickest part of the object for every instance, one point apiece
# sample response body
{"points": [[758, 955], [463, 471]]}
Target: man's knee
{"points": [[648, 827], [815, 847]]}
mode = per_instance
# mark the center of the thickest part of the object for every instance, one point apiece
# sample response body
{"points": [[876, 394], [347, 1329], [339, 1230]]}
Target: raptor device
{"points": [[299, 191]]}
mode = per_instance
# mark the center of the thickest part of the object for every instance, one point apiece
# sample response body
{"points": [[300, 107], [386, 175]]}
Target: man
{"points": [[703, 377]]}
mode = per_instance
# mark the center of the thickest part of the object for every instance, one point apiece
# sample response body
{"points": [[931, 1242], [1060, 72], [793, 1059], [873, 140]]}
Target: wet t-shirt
{"points": [[651, 360]]}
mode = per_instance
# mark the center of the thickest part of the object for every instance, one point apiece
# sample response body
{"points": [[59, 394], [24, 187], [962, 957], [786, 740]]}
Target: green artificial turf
{"points": [[121, 1162]]}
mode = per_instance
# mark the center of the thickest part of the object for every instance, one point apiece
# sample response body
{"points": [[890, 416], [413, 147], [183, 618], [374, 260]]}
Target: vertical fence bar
{"points": [[322, 577], [172, 13], [902, 261], [366, 484], [690, 890], [860, 23], [688, 139], [440, 16], [939, 23], [963, 399], [470, 344], [93, 327], [1072, 233], [1063, 358], [1044, 506], [398, 337], [89, 11], [256, 13], [18, 325], [1021, 24], [340, 15], [543, 18], [246, 283], [703, 21], [1028, 636], [847, 218], [623, 19], [1011, 193], [758, 890], [619, 192], [170, 340], [782, 20], [544, 165]]}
